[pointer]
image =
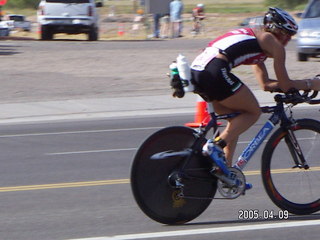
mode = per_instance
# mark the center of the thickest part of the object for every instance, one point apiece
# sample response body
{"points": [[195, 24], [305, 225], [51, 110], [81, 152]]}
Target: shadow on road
{"points": [[8, 50]]}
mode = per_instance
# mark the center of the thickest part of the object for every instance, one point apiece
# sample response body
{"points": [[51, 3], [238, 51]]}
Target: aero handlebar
{"points": [[295, 97]]}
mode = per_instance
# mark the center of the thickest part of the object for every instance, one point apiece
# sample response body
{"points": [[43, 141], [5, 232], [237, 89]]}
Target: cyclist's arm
{"points": [[264, 81], [274, 49]]}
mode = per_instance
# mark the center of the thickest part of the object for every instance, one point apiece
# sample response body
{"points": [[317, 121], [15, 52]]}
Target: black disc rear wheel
{"points": [[151, 180]]}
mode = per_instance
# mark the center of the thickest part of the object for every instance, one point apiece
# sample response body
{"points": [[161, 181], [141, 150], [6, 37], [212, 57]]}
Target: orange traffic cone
{"points": [[39, 30], [202, 116], [120, 29]]}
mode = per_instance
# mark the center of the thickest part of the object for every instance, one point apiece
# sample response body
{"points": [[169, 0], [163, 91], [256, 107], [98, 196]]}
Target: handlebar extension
{"points": [[295, 97]]}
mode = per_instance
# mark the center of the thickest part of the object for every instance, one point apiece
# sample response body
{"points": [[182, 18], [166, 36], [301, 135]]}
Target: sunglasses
{"points": [[287, 33]]}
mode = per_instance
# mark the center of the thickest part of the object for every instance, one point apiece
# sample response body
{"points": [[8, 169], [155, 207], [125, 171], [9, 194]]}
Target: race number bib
{"points": [[204, 58]]}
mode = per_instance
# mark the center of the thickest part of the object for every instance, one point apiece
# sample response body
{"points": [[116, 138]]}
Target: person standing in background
{"points": [[176, 9], [165, 26], [156, 21]]}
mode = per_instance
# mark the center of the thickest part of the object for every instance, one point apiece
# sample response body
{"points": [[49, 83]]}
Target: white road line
{"points": [[208, 230], [92, 151], [78, 132], [123, 149]]}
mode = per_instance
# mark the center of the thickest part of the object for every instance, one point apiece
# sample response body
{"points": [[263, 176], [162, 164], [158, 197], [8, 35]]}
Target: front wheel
{"points": [[291, 184], [151, 179]]}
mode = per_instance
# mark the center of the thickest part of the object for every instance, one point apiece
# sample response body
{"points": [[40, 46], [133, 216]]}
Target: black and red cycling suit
{"points": [[212, 76]]}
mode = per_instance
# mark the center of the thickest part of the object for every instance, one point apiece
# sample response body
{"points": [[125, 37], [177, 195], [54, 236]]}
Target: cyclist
{"points": [[212, 77], [198, 15]]}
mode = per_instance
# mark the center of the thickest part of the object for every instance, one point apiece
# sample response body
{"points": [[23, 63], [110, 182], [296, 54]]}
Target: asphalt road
{"points": [[70, 180]]}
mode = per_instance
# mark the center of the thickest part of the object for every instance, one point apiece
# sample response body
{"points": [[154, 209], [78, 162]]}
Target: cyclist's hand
{"points": [[277, 90], [292, 91]]}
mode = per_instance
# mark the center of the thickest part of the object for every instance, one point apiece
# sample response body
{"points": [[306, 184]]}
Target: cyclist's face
{"points": [[283, 36]]}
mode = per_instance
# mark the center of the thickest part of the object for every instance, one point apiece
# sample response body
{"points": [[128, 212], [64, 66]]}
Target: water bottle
{"points": [[185, 73], [173, 69], [176, 81]]}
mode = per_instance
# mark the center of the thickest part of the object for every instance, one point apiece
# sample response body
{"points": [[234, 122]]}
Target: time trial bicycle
{"points": [[173, 182]]}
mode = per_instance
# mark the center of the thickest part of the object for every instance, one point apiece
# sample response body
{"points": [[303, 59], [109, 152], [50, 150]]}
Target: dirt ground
{"points": [[54, 70], [110, 27]]}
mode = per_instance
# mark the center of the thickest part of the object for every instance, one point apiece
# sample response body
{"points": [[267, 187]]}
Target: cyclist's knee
{"points": [[255, 113]]}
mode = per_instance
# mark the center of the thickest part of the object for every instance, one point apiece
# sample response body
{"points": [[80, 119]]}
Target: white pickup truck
{"points": [[68, 16], [16, 21]]}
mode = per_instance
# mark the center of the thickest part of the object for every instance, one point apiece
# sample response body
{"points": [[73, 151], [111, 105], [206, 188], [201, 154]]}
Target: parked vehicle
{"points": [[19, 22], [252, 21], [4, 29], [308, 40], [68, 16]]}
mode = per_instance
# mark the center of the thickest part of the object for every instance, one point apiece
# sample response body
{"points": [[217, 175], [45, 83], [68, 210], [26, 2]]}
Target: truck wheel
{"points": [[93, 34], [46, 33], [302, 57]]}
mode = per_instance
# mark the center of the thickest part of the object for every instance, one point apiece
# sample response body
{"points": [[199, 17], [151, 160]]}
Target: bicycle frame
{"points": [[278, 115]]}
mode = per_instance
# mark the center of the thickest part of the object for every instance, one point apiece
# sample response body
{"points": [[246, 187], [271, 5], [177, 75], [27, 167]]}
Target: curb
{"points": [[98, 108]]}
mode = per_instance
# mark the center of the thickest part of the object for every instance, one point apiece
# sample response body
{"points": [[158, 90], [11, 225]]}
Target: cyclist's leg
{"points": [[230, 148], [242, 101], [228, 94]]}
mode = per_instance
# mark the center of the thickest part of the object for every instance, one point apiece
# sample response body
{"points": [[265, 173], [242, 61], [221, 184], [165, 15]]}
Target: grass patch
{"points": [[235, 9], [218, 6], [24, 11]]}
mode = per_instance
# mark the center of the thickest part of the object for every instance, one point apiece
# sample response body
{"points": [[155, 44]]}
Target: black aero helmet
{"points": [[278, 18]]}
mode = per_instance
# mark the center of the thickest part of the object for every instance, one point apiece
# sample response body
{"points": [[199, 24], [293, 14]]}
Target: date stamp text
{"points": [[255, 214]]}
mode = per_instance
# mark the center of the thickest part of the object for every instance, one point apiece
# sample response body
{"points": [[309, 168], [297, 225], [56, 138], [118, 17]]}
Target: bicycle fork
{"points": [[295, 150]]}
